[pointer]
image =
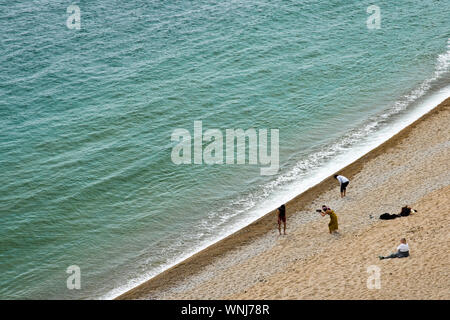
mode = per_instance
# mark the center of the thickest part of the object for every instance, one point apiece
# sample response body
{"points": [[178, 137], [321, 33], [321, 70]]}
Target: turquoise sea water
{"points": [[86, 117]]}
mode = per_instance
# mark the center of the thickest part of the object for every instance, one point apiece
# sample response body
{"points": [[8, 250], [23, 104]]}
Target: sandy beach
{"points": [[412, 168]]}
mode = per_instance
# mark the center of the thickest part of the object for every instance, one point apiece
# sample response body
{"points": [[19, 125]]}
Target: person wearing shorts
{"points": [[281, 213], [344, 183]]}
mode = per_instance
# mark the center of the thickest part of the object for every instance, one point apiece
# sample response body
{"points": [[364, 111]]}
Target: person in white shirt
{"points": [[402, 251], [344, 183]]}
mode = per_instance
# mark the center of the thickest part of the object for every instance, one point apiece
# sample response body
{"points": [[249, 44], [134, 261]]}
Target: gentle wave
{"points": [[317, 166]]}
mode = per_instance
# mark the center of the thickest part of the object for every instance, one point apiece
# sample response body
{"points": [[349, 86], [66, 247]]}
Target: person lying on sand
{"points": [[402, 251], [333, 225], [281, 214], [406, 211], [344, 183]]}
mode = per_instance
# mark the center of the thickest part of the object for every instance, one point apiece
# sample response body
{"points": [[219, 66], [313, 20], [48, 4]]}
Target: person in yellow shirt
{"points": [[333, 225]]}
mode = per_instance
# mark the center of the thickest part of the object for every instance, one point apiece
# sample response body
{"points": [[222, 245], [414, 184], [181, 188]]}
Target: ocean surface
{"points": [[86, 117]]}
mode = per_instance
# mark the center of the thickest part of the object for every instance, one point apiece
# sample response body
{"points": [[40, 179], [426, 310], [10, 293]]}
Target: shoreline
{"points": [[265, 225]]}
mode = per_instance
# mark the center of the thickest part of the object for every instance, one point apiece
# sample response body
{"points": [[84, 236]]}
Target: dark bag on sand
{"points": [[388, 216]]}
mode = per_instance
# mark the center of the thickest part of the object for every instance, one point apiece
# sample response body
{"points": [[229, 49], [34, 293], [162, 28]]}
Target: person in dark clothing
{"points": [[281, 214], [406, 211]]}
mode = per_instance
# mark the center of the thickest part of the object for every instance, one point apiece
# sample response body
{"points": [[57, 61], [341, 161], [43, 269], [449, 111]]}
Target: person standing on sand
{"points": [[402, 251], [333, 225], [281, 214], [344, 183]]}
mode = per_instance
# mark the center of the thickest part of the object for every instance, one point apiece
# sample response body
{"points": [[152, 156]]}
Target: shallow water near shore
{"points": [[87, 115]]}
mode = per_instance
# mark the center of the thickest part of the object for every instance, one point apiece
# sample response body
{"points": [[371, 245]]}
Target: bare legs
{"points": [[344, 189], [279, 226]]}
